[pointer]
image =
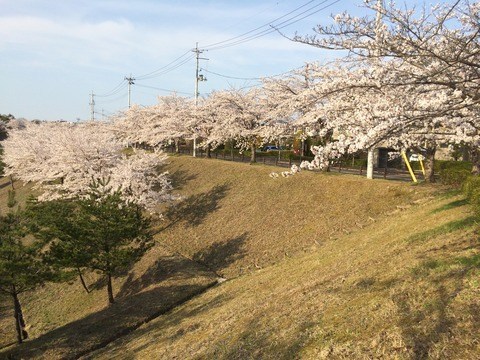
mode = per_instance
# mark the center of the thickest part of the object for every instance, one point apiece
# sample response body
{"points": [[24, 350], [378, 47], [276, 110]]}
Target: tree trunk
{"points": [[209, 151], [11, 182], [19, 319], [82, 280], [429, 165], [177, 146], [111, 300], [465, 153], [475, 158], [253, 156]]}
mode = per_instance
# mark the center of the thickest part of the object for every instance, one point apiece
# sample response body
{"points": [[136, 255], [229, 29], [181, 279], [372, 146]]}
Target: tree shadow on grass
{"points": [[215, 258], [451, 205], [447, 228], [259, 342], [420, 339], [129, 312], [180, 178], [220, 255], [424, 326], [166, 267], [194, 209]]}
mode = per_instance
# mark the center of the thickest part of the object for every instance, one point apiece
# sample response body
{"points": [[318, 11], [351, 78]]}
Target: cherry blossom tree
{"points": [[169, 121], [247, 118], [213, 120], [429, 58], [62, 159]]}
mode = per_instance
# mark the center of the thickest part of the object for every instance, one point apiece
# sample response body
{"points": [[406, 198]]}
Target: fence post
{"points": [[264, 160], [243, 156], [276, 161], [361, 169], [385, 172], [290, 162]]}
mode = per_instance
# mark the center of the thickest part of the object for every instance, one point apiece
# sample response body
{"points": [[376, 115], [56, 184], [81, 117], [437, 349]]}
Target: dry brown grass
{"points": [[236, 219], [333, 266], [399, 289]]}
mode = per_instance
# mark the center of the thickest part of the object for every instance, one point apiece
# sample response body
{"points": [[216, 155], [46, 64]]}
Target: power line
{"points": [[112, 100], [167, 68], [166, 90], [253, 34], [231, 77], [115, 90], [257, 28], [272, 27], [253, 78]]}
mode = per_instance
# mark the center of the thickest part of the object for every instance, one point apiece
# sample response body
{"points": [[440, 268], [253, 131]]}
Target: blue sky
{"points": [[53, 53]]}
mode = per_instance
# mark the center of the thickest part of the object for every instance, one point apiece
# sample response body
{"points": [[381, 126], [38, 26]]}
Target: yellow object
{"points": [[421, 164], [409, 167]]}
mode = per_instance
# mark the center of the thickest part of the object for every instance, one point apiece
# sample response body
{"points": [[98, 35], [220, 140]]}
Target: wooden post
{"points": [[385, 172]]}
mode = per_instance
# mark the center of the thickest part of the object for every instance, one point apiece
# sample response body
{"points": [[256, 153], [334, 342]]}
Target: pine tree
{"points": [[21, 265], [102, 232], [117, 232]]}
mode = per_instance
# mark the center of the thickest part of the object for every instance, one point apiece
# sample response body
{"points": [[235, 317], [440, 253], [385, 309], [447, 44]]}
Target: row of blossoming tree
{"points": [[409, 80]]}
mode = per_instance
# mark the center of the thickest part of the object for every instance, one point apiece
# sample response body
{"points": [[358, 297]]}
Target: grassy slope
{"points": [[406, 287], [235, 219]]}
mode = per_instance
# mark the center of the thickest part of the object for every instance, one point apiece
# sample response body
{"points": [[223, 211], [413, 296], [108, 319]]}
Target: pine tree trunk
{"points": [[253, 156], [19, 319], [429, 165], [111, 300], [82, 280]]}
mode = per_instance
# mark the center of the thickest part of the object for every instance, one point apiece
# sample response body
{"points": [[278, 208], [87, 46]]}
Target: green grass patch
{"points": [[451, 205], [447, 228]]}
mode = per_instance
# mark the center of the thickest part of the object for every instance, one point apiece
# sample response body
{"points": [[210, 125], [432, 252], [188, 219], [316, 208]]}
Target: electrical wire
{"points": [[253, 34], [111, 100], [165, 90], [259, 27], [165, 68], [231, 77], [115, 90], [272, 26], [253, 78]]}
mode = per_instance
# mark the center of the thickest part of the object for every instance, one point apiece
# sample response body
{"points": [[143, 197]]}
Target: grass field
{"points": [[318, 266]]}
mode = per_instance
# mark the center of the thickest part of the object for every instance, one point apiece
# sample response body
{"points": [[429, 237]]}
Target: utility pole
{"points": [[198, 77], [378, 25], [130, 83], [307, 86], [92, 106]]}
